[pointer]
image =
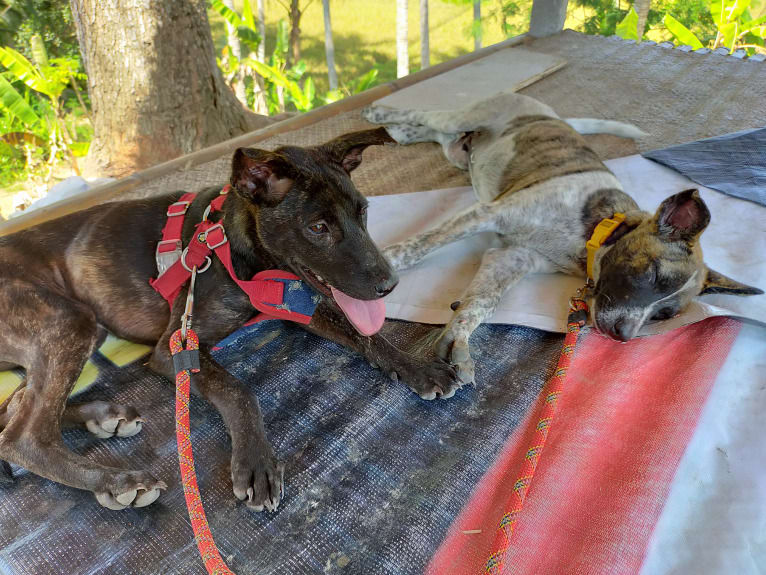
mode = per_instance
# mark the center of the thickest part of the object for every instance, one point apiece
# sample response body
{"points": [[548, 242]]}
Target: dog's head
{"points": [[652, 267], [306, 212]]}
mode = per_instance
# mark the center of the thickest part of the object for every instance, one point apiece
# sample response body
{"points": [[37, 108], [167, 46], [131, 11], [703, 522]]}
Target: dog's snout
{"points": [[622, 330], [386, 286]]}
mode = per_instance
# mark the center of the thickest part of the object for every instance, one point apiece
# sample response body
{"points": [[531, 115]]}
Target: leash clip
{"points": [[186, 319], [578, 308]]}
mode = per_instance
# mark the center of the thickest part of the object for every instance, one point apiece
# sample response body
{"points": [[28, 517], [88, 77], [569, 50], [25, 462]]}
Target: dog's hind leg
{"points": [[406, 134], [52, 337], [500, 269], [473, 220]]}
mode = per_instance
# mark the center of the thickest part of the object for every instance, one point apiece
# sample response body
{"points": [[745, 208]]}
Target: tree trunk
{"points": [[477, 25], [262, 31], [402, 55], [329, 47], [425, 52], [642, 10], [295, 32], [155, 89], [236, 51]]}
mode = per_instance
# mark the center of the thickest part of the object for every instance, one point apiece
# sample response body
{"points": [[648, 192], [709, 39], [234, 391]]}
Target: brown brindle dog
{"points": [[64, 282]]}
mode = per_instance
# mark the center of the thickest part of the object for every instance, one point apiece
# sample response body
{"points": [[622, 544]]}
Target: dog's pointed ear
{"points": [[260, 176], [347, 149], [683, 216], [718, 283]]}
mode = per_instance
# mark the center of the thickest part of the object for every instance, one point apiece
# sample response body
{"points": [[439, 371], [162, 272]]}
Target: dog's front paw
{"points": [[375, 114], [129, 489], [430, 380], [258, 478], [452, 346]]}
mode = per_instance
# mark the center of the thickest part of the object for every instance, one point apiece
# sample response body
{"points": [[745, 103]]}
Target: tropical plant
{"points": [[735, 28], [45, 119], [248, 32]]}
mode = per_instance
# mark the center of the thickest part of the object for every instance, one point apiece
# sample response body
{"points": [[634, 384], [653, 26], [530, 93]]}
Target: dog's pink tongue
{"points": [[366, 316]]}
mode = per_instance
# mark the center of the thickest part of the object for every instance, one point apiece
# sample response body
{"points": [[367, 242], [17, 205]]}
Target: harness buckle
{"points": [[182, 208], [194, 269], [165, 258], [223, 240]]}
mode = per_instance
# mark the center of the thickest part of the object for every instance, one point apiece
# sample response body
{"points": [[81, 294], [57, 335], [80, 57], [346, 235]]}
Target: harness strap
{"points": [[267, 290], [169, 248]]}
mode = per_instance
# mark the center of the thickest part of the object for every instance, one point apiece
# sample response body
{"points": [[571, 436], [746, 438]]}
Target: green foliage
{"points": [[15, 105], [284, 86], [628, 28], [244, 25], [35, 122], [51, 20], [681, 33], [736, 28]]}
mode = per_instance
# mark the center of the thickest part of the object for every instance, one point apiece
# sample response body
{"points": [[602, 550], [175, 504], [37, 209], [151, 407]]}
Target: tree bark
{"points": [[236, 52], [402, 54], [295, 32], [155, 89], [477, 25], [425, 52], [642, 10], [262, 31], [329, 47]]}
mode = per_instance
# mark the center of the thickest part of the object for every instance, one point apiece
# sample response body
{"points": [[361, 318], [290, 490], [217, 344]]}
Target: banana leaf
{"points": [[15, 103]]}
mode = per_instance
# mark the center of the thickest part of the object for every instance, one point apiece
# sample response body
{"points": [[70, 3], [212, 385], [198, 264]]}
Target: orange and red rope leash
{"points": [[214, 563], [551, 392]]}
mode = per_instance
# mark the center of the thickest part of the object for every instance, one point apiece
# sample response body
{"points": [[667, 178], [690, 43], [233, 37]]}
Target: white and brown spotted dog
{"points": [[543, 190]]}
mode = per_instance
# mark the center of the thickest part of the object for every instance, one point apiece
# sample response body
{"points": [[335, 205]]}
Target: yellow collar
{"points": [[603, 230]]}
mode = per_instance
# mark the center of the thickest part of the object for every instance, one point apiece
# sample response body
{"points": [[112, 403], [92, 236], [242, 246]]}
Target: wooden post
{"points": [[548, 17]]}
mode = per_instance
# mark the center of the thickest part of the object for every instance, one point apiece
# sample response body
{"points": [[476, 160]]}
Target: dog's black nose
{"points": [[622, 330], [386, 286]]}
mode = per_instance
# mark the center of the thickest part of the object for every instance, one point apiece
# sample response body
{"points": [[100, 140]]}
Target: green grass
{"points": [[364, 32]]}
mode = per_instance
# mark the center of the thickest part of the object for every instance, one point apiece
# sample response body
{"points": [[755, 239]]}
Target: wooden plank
{"points": [[110, 191], [507, 70]]}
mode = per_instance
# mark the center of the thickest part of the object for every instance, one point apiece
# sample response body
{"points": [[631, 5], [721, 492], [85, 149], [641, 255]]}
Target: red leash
{"points": [[552, 391], [214, 563]]}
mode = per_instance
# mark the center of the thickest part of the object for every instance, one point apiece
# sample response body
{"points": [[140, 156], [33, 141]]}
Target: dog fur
{"points": [[543, 191], [65, 282]]}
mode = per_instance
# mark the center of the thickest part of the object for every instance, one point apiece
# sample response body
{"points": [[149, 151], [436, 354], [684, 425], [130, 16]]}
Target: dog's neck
{"points": [[601, 205], [248, 255], [604, 204]]}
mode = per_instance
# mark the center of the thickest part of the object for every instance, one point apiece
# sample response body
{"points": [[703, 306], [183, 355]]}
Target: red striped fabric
{"points": [[623, 423]]}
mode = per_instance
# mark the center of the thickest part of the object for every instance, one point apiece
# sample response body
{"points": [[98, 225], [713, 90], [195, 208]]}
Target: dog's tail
{"points": [[596, 126]]}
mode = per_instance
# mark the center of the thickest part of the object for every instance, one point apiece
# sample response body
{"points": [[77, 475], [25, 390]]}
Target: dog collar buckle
{"points": [[603, 230]]}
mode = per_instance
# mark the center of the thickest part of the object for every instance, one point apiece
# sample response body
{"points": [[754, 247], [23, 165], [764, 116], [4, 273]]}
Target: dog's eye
{"points": [[319, 228], [664, 313], [363, 211]]}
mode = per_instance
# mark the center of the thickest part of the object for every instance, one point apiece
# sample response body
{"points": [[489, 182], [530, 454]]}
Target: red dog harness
{"points": [[274, 293]]}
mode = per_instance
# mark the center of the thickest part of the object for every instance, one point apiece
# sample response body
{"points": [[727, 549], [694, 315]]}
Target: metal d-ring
{"points": [[201, 270]]}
